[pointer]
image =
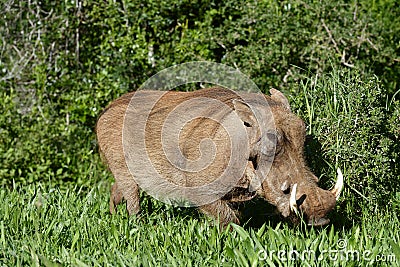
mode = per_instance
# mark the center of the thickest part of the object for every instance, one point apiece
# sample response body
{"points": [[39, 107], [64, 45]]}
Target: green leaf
{"points": [[395, 248], [242, 233]]}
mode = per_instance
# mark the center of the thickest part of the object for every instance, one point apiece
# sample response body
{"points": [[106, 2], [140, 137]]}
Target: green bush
{"points": [[352, 126]]}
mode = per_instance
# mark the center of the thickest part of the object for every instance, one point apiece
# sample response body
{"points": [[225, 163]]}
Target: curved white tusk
{"points": [[339, 185], [292, 200]]}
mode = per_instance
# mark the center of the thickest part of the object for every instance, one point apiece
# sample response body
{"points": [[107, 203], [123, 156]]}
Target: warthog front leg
{"points": [[221, 211], [131, 194]]}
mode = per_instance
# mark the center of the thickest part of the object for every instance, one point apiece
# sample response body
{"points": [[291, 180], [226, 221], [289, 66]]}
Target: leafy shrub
{"points": [[353, 128]]}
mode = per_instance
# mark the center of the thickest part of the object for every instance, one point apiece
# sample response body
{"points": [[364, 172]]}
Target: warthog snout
{"points": [[313, 204]]}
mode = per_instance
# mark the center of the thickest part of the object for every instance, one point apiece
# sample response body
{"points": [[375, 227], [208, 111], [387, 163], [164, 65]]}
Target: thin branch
{"points": [[343, 58], [78, 15], [331, 37], [373, 46]]}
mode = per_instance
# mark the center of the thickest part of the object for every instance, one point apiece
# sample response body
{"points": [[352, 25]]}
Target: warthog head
{"points": [[289, 184]]}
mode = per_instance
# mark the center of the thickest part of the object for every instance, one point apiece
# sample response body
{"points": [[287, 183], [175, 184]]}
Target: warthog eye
{"points": [[276, 138]]}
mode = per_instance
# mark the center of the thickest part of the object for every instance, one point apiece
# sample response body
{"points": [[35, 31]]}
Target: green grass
{"points": [[41, 226]]}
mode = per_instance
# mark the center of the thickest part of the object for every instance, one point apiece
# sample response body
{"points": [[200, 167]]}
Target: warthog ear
{"points": [[279, 97], [245, 113]]}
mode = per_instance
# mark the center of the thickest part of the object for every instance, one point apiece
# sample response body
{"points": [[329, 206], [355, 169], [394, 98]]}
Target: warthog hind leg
{"points": [[115, 198], [129, 192]]}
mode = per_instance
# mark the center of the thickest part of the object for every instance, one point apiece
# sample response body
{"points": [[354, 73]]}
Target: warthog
{"points": [[274, 167]]}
